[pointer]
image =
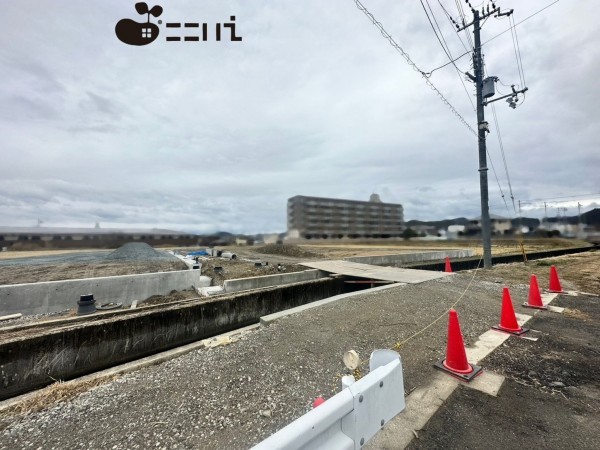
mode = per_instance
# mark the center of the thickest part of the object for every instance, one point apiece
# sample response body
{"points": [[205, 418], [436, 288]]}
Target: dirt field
{"points": [[79, 267], [499, 247], [37, 273], [579, 271]]}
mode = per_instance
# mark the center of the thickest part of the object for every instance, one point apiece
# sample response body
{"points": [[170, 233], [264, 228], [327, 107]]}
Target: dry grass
{"points": [[576, 314], [57, 392]]}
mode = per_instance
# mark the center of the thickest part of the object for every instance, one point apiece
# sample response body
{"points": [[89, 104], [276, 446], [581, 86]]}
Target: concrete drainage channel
{"points": [[472, 263], [35, 355]]}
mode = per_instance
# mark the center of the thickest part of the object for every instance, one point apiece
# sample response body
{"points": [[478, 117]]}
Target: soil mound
{"points": [[136, 251], [286, 250]]}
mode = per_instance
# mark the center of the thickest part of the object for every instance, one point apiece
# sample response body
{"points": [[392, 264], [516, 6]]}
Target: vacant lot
{"points": [[235, 395]]}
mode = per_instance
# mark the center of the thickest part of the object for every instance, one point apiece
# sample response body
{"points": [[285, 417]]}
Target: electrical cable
{"points": [[452, 22], [494, 37], [405, 55], [447, 64], [535, 200], [512, 33], [446, 48], [518, 23], [501, 145], [512, 197], [463, 17]]}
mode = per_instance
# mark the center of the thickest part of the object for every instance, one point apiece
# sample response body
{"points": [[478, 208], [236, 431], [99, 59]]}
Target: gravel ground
{"points": [[129, 259], [234, 396]]}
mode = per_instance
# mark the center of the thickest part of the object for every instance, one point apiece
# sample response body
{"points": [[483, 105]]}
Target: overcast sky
{"points": [[205, 136]]}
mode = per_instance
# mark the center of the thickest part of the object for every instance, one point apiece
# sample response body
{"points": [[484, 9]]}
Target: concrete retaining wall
{"points": [[53, 296], [243, 284], [34, 360], [407, 258]]}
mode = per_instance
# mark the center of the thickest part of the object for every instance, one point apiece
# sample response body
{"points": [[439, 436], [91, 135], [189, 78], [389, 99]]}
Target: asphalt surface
{"points": [[551, 398]]}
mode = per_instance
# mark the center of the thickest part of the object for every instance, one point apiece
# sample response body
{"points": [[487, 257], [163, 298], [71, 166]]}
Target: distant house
{"points": [[454, 231], [272, 238], [500, 225]]}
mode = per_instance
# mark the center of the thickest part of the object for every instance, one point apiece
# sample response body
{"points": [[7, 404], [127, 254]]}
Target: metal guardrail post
{"points": [[350, 418]]}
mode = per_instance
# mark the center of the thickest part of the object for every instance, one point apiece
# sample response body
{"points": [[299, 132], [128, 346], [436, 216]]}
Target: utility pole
{"points": [[486, 226], [482, 125]]}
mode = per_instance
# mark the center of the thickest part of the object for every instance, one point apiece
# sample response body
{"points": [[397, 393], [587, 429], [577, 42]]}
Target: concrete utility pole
{"points": [[486, 226], [482, 125]]}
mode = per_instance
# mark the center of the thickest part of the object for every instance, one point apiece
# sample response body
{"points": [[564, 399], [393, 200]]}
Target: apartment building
{"points": [[329, 218]]}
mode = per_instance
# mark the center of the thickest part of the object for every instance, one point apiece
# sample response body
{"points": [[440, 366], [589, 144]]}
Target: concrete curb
{"points": [[249, 283], [54, 296], [271, 318]]}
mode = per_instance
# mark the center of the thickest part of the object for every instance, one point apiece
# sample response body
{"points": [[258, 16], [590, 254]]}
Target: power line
{"points": [[446, 48], [512, 197], [451, 20], [498, 181], [448, 63], [463, 16], [494, 37], [405, 55], [501, 145], [532, 201], [519, 69], [519, 23]]}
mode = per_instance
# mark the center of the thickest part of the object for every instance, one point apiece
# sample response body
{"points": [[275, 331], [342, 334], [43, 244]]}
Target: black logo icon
{"points": [[134, 33]]}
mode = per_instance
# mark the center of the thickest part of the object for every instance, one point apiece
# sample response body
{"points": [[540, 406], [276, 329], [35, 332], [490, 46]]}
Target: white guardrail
{"points": [[349, 419]]}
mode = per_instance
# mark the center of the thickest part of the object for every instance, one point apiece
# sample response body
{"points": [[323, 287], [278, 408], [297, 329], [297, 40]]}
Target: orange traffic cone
{"points": [[448, 267], [456, 363], [535, 298], [554, 281], [508, 319]]}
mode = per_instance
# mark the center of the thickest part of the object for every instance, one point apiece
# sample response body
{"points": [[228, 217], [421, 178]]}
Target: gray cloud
{"points": [[207, 136]]}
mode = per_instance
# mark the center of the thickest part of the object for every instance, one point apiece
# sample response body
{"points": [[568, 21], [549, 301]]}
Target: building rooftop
{"points": [[373, 199]]}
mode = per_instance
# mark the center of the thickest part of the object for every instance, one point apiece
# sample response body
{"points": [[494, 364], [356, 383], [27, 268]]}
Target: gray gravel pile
{"points": [[236, 395], [137, 251]]}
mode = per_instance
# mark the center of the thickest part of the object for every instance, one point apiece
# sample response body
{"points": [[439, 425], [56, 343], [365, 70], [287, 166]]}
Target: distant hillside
{"points": [[589, 218], [526, 222], [439, 224]]}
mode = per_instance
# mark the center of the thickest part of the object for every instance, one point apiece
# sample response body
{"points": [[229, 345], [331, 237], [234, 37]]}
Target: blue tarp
{"points": [[198, 253]]}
